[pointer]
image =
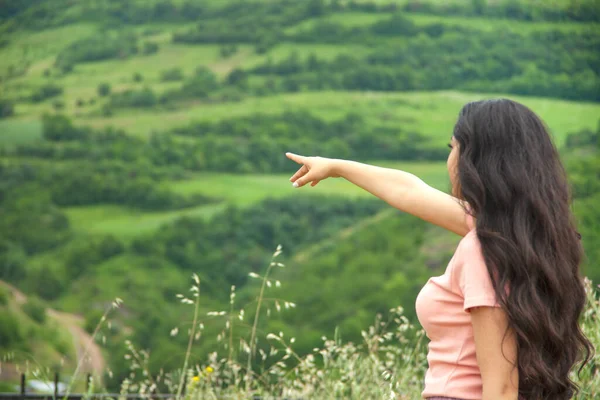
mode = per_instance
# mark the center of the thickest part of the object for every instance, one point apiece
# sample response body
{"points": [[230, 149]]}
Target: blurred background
{"points": [[143, 141]]}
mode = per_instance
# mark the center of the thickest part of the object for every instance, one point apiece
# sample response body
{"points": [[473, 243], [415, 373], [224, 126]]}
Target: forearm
{"points": [[407, 193], [390, 185]]}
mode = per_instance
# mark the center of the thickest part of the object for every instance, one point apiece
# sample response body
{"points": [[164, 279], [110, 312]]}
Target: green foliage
{"points": [[35, 309], [12, 336], [4, 296], [539, 69], [58, 105], [59, 127], [93, 170], [150, 48], [228, 50], [25, 207], [45, 92], [104, 89], [101, 46], [7, 108], [173, 74], [302, 132], [253, 231], [141, 98]]}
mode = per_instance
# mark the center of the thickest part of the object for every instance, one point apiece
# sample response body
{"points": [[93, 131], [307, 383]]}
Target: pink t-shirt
{"points": [[443, 309]]}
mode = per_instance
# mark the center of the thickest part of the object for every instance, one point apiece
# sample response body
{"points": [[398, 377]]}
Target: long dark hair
{"points": [[510, 174]]}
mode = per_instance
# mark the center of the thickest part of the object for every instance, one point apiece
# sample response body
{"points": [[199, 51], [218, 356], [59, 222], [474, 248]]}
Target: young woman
{"points": [[503, 318]]}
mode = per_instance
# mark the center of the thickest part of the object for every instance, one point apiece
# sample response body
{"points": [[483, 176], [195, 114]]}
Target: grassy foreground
{"points": [[389, 363]]}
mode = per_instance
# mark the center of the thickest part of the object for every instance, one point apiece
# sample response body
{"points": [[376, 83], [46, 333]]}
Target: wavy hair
{"points": [[510, 175]]}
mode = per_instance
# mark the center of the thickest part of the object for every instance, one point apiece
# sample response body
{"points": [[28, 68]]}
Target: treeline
{"points": [[101, 46], [36, 14], [248, 144], [435, 57], [259, 140]]}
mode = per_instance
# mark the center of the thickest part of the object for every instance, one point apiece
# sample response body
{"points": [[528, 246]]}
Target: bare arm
{"points": [[407, 193], [495, 357], [399, 189]]}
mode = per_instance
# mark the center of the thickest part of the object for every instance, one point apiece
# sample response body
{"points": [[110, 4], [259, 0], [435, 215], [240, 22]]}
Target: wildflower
{"points": [[196, 379], [209, 370]]}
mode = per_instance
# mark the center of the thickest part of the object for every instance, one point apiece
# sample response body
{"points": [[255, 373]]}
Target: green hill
{"points": [[143, 141]]}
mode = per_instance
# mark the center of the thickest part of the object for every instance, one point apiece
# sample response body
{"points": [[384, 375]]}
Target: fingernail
{"points": [[295, 184]]}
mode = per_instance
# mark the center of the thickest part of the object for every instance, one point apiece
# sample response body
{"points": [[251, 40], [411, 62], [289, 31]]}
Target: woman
{"points": [[503, 318]]}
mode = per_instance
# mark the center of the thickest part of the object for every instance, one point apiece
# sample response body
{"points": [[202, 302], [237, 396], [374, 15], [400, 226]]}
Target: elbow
{"points": [[508, 394], [503, 392]]}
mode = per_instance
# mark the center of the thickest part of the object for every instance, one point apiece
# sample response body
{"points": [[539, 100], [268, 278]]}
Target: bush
{"points": [[45, 92], [97, 47], [104, 89], [59, 127], [134, 98], [228, 50], [35, 309], [150, 48], [7, 108], [172, 74], [137, 77], [4, 295], [11, 335], [58, 104]]}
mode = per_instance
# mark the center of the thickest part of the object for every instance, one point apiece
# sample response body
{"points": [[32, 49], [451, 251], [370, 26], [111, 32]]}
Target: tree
{"points": [[104, 89], [7, 108]]}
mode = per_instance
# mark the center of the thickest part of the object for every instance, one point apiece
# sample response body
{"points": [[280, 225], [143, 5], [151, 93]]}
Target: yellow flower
{"points": [[209, 370], [196, 379]]}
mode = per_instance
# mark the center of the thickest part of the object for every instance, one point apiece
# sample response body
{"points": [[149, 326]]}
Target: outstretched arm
{"points": [[399, 189]]}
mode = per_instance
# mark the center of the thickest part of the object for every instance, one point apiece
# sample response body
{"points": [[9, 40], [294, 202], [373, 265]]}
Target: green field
{"points": [[239, 190], [360, 19], [14, 131], [430, 113]]}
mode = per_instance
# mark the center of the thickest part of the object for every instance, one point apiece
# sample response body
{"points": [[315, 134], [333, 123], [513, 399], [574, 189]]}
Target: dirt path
{"points": [[93, 362]]}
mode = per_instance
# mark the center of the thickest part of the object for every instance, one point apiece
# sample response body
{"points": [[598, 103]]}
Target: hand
{"points": [[314, 169]]}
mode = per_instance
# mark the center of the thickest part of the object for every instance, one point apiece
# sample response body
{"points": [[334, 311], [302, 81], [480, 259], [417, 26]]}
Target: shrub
{"points": [[35, 309], [104, 89], [137, 77], [172, 74], [59, 127], [11, 335], [97, 47], [45, 92], [79, 103], [150, 48], [7, 108], [134, 98], [3, 296], [58, 104]]}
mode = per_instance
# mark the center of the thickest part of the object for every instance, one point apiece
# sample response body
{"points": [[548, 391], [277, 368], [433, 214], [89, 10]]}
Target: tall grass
{"points": [[389, 362]]}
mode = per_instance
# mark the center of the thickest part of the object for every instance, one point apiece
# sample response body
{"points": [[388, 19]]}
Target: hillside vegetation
{"points": [[143, 141]]}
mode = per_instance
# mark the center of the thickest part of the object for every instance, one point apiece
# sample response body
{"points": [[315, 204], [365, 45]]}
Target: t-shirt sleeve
{"points": [[473, 277]]}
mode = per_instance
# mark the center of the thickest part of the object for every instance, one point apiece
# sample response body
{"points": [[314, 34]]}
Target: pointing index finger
{"points": [[295, 157]]}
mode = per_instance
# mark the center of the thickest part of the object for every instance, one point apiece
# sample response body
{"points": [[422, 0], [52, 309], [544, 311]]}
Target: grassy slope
{"points": [[430, 113], [49, 342], [240, 190]]}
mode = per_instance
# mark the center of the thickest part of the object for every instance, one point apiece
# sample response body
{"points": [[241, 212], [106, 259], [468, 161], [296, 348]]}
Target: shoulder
{"points": [[469, 262], [469, 246]]}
